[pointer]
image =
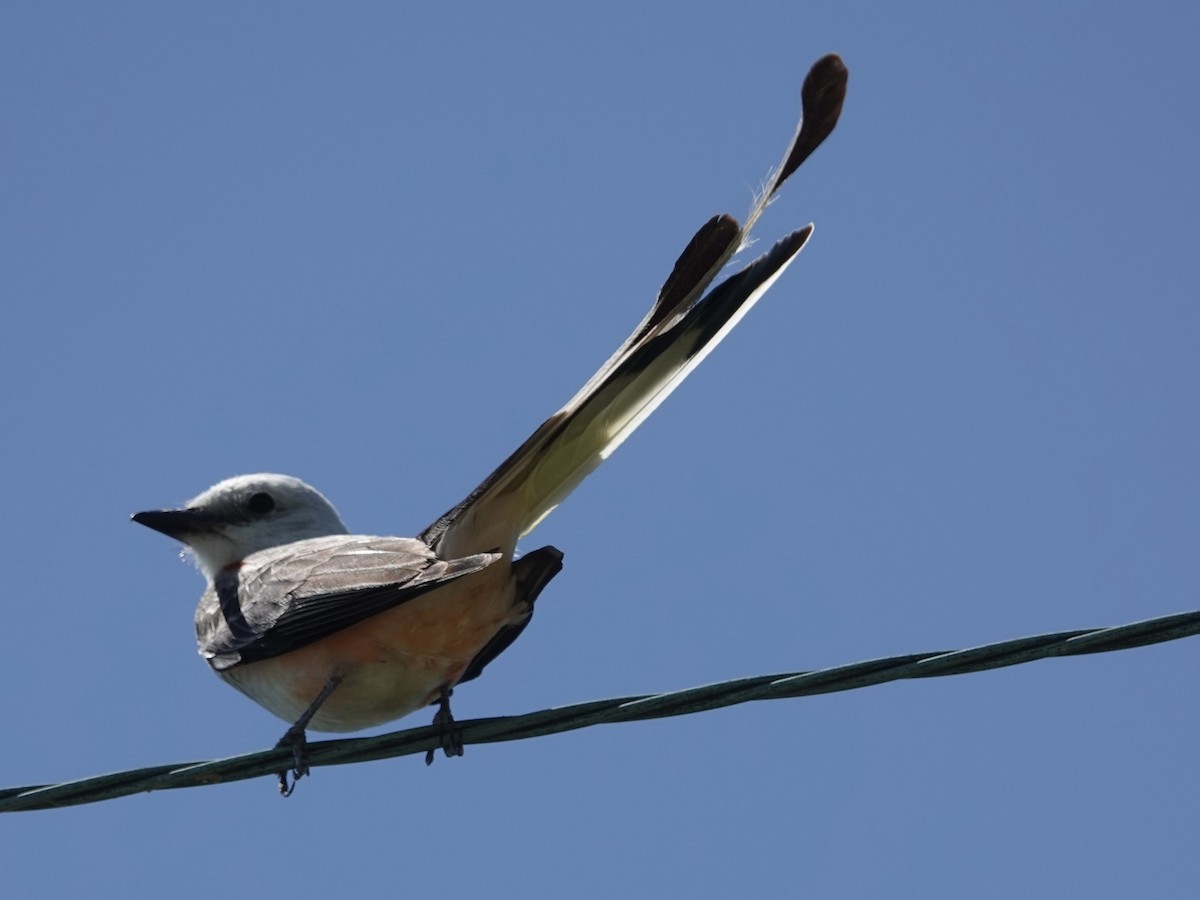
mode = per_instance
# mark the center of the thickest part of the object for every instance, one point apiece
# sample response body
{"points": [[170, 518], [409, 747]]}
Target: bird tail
{"points": [[683, 327]]}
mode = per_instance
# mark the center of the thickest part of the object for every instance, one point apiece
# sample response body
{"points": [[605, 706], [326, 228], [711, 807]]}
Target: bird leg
{"points": [[295, 738], [450, 740]]}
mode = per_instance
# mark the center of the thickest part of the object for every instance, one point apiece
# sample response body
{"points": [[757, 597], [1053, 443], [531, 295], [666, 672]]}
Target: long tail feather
{"points": [[683, 327]]}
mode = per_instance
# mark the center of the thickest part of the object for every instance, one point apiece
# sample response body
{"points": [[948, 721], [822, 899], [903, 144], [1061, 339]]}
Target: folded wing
{"points": [[286, 597]]}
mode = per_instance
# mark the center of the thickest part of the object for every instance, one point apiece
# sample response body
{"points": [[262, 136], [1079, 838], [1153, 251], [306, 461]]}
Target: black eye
{"points": [[261, 503]]}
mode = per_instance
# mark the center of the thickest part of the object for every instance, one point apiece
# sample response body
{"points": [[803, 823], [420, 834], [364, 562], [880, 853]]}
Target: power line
{"points": [[617, 709]]}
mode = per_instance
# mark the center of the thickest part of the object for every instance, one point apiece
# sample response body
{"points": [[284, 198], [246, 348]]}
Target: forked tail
{"points": [[682, 328]]}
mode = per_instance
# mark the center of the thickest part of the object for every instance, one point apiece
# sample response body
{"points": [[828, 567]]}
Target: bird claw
{"points": [[296, 739], [449, 740]]}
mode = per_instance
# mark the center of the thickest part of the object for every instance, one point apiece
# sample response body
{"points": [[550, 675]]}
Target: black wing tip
{"points": [[533, 571], [821, 100]]}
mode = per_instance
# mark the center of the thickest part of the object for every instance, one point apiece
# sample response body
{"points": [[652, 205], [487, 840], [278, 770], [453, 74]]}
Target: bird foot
{"points": [[296, 739], [450, 739]]}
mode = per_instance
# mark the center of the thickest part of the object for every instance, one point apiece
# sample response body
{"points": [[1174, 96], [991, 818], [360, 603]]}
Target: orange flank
{"points": [[392, 663]]}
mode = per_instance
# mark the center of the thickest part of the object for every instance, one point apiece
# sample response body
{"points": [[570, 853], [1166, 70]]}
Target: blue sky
{"points": [[374, 247]]}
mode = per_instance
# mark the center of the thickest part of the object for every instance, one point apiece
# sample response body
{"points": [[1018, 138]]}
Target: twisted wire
{"points": [[617, 709]]}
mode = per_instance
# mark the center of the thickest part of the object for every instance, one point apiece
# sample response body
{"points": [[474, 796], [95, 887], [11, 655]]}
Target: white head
{"points": [[243, 515]]}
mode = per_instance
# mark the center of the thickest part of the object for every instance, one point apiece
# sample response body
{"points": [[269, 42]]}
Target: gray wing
{"points": [[286, 597]]}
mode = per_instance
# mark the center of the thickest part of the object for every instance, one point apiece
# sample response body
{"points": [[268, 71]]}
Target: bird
{"points": [[338, 632]]}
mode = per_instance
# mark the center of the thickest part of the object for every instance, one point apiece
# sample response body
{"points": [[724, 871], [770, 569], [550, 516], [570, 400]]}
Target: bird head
{"points": [[243, 515]]}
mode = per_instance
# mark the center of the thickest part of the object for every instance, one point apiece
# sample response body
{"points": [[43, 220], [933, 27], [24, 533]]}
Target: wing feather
{"points": [[283, 598]]}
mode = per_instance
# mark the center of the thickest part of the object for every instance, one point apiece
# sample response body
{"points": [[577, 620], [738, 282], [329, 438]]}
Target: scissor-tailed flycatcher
{"points": [[340, 632]]}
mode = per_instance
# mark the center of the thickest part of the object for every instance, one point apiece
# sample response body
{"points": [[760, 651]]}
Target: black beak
{"points": [[176, 523]]}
